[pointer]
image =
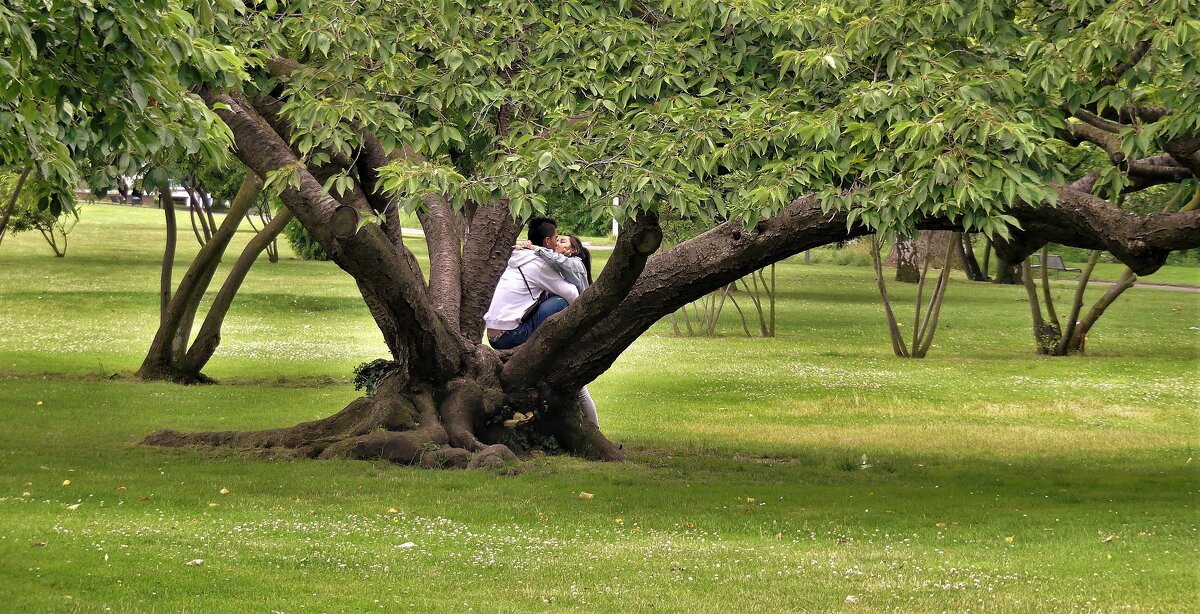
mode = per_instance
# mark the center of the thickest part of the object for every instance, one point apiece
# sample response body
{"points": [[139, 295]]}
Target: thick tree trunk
{"points": [[904, 257], [11, 205]]}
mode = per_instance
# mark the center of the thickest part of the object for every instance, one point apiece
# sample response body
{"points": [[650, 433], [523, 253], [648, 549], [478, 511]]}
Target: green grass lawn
{"points": [[809, 472]]}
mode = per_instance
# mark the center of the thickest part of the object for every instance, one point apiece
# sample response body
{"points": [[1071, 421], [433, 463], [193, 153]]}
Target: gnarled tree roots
{"points": [[459, 426]]}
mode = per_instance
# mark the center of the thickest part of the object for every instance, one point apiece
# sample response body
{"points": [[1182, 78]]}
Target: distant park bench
{"points": [[1054, 262]]}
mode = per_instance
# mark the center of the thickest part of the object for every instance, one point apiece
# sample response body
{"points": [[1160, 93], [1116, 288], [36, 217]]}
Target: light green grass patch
{"points": [[769, 475]]}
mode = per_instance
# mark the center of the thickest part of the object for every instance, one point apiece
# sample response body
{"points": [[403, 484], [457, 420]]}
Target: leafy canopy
{"points": [[894, 111], [104, 86]]}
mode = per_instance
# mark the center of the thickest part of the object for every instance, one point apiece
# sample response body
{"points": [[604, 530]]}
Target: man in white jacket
{"points": [[529, 292]]}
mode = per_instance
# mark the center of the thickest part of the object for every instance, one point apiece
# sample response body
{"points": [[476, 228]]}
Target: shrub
{"points": [[303, 243]]}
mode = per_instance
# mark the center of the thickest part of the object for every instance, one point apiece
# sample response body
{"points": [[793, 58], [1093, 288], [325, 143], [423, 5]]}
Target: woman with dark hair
{"points": [[569, 257], [574, 262]]}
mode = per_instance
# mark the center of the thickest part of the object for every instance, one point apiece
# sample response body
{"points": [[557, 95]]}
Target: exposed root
{"points": [[175, 376], [410, 426], [579, 436], [492, 457], [458, 413]]}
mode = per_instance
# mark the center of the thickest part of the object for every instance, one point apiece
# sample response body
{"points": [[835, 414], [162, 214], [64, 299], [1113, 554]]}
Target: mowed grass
{"points": [[809, 472]]}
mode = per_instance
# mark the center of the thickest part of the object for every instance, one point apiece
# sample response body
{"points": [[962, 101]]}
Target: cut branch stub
{"points": [[345, 221]]}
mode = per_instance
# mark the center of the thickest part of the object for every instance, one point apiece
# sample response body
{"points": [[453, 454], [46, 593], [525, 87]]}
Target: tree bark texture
{"points": [[445, 398]]}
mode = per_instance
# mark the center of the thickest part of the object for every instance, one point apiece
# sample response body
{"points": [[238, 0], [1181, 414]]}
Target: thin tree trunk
{"points": [[924, 274], [12, 200], [772, 295], [164, 281], [966, 254], [1051, 314], [209, 336], [745, 325], [1077, 304], [195, 228], [1126, 281], [893, 328], [1045, 335], [170, 341], [987, 257], [929, 327]]}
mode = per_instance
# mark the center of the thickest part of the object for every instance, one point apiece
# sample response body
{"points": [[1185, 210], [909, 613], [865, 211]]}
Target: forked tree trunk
{"points": [[966, 256], [166, 356], [445, 398]]}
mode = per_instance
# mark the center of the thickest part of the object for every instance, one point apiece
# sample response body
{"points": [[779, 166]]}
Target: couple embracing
{"points": [[545, 273]]}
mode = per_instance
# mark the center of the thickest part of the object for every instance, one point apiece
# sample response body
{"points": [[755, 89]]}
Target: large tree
{"points": [[787, 125]]}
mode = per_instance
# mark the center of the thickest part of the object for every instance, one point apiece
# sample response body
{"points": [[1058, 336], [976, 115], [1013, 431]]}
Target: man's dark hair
{"points": [[541, 228]]}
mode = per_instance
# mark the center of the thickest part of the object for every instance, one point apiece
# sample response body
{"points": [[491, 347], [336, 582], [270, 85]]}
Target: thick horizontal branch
{"points": [[726, 253], [1080, 219], [1108, 141], [635, 243]]}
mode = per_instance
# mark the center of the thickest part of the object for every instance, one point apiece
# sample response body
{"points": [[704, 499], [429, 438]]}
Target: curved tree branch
{"points": [[398, 299]]}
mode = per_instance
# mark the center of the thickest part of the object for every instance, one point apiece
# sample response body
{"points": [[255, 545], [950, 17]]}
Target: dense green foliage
{"points": [[747, 486], [732, 109], [105, 86], [706, 108]]}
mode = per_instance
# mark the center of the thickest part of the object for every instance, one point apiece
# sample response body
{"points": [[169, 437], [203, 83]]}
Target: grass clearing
{"points": [[779, 474]]}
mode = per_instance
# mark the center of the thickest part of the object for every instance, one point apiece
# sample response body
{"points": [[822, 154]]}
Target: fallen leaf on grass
{"points": [[1010, 539], [392, 510], [74, 507], [940, 525], [195, 562], [212, 504], [1109, 539], [224, 491], [585, 495], [851, 599], [407, 545], [66, 482], [27, 494], [122, 488]]}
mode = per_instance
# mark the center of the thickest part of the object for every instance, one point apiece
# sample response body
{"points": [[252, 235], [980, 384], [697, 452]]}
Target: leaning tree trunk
{"points": [[12, 200], [443, 398]]}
